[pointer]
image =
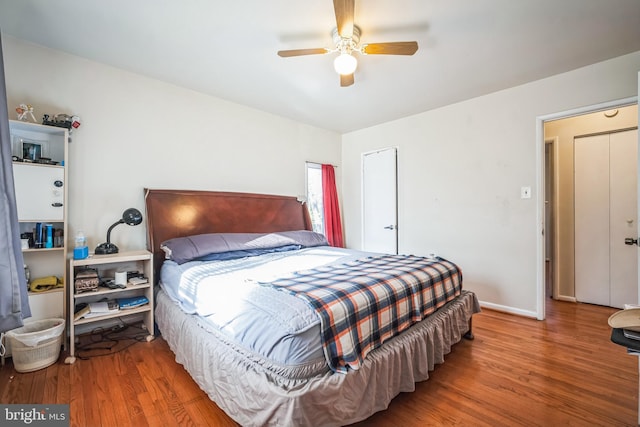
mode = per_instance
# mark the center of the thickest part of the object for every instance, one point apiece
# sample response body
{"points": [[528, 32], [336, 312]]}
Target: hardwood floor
{"points": [[517, 371]]}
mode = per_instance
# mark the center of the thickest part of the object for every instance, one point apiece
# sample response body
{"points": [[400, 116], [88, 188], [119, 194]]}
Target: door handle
{"points": [[630, 241], [389, 227]]}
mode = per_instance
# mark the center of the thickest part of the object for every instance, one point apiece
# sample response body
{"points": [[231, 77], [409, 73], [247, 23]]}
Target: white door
{"points": [[591, 205], [605, 198], [379, 195], [623, 217]]}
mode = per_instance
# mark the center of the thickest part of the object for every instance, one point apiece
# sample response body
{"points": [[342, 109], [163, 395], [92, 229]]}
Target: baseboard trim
{"points": [[507, 309], [565, 298]]}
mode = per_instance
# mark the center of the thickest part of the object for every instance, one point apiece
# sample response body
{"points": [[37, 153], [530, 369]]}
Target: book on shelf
{"points": [[138, 280], [95, 309], [103, 306], [81, 311], [132, 302]]}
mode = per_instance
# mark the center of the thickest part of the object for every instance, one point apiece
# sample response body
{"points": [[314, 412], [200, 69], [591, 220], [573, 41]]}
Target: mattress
{"points": [[273, 324], [346, 302]]}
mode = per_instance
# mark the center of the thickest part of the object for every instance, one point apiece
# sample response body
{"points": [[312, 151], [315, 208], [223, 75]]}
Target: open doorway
{"points": [[556, 204]]}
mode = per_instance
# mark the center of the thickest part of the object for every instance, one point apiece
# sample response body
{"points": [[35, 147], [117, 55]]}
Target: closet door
{"points": [[591, 205], [623, 182], [606, 189], [380, 201]]}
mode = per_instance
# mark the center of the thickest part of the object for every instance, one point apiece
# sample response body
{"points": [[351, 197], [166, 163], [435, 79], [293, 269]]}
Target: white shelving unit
{"points": [[107, 265], [41, 197]]}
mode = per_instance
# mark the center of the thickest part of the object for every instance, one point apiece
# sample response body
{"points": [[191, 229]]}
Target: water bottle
{"points": [[49, 238], [39, 243], [81, 250]]}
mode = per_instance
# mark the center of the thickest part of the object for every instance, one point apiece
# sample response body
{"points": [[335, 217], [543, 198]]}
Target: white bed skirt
{"points": [[254, 392]]}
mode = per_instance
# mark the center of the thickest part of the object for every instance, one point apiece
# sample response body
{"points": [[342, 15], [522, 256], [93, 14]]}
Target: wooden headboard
{"points": [[180, 213]]}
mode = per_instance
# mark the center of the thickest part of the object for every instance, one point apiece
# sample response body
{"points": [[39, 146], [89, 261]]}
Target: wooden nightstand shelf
{"points": [[107, 265]]}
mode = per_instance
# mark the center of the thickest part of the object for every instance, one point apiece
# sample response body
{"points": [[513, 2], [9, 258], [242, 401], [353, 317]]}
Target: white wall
{"points": [[140, 133], [460, 171], [460, 167]]}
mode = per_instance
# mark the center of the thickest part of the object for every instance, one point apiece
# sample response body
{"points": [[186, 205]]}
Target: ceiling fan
{"points": [[346, 37]]}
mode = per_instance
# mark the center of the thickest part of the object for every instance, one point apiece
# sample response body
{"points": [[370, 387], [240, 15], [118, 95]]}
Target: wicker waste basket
{"points": [[35, 345]]}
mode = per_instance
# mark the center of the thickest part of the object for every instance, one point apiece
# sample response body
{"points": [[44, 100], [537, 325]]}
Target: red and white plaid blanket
{"points": [[363, 303]]}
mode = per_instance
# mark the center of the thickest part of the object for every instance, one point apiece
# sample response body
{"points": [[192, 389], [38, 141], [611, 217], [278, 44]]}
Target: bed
{"points": [[294, 378]]}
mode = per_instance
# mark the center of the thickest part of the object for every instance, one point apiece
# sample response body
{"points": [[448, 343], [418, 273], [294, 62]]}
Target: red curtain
{"points": [[332, 223]]}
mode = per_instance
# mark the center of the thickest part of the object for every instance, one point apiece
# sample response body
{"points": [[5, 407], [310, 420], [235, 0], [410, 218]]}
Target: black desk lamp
{"points": [[131, 216]]}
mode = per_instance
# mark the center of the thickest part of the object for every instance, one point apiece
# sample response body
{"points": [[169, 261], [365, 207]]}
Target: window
{"points": [[314, 196]]}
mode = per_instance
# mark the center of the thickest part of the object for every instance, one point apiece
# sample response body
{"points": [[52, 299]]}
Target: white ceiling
{"points": [[228, 49]]}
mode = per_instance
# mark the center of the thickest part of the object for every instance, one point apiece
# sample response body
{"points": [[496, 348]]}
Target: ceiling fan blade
{"points": [[300, 52], [344, 10], [392, 48], [346, 80]]}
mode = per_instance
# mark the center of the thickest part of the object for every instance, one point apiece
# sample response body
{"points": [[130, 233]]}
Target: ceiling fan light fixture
{"points": [[346, 41], [345, 64]]}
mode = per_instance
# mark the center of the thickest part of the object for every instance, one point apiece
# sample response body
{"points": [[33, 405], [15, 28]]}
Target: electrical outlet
{"points": [[525, 192]]}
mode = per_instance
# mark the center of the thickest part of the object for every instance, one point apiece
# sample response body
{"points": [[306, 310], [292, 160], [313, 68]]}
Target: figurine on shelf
{"points": [[63, 121], [24, 112]]}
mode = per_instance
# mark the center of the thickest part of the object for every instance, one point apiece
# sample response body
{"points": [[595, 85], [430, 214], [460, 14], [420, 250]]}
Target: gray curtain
{"points": [[14, 303]]}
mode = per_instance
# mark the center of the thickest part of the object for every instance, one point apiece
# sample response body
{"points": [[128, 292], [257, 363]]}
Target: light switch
{"points": [[525, 192]]}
